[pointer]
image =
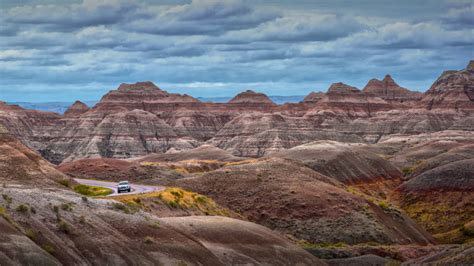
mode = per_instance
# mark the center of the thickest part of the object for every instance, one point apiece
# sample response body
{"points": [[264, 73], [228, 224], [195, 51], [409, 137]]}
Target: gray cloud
{"points": [[202, 17], [220, 44], [74, 16]]}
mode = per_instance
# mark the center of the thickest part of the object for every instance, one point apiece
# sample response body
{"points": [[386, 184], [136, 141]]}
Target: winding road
{"points": [[136, 189]]}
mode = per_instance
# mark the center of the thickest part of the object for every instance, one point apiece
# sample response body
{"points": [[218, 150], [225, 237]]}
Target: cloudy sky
{"points": [[58, 50]]}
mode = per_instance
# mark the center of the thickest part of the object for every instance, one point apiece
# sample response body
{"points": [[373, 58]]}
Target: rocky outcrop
{"points": [[34, 128], [76, 109], [259, 134], [313, 97], [348, 101], [453, 90], [21, 165], [390, 91]]}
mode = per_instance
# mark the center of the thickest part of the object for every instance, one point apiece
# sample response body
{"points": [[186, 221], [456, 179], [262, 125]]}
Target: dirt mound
{"points": [[291, 198]]}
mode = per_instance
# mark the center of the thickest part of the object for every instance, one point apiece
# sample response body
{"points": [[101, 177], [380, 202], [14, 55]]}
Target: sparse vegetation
{"points": [[22, 208], [6, 216], [120, 207], [467, 231], [66, 206], [407, 170], [155, 225], [384, 205], [30, 234], [175, 198], [308, 245], [65, 182], [92, 191], [48, 248], [64, 227], [7, 198], [148, 240]]}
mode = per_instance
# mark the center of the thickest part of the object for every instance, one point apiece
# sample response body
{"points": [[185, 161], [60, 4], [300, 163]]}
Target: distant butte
{"points": [[250, 96], [76, 109]]}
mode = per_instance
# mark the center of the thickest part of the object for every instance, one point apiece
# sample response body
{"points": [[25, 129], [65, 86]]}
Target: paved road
{"points": [[136, 189]]}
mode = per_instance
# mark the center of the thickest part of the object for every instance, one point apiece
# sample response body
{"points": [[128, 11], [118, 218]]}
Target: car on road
{"points": [[123, 186]]}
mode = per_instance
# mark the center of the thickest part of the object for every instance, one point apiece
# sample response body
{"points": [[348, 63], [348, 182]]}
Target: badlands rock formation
{"points": [[453, 90], [390, 91], [250, 96], [313, 97], [76, 109], [139, 119]]}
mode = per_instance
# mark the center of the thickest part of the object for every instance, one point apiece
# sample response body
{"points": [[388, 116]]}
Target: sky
{"points": [[59, 50]]}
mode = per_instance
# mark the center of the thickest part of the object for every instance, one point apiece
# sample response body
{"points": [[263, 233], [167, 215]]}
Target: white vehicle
{"points": [[123, 186]]}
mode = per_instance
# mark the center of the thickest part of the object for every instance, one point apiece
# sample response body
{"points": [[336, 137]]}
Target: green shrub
{"points": [[407, 170], [121, 207], [30, 234], [48, 248], [466, 231], [64, 227], [65, 182], [7, 198], [384, 205], [173, 204], [22, 208], [92, 191], [66, 207], [148, 240]]}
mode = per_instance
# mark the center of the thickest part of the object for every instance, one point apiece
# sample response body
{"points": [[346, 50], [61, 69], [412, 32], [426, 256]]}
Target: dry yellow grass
{"points": [[464, 234], [175, 198]]}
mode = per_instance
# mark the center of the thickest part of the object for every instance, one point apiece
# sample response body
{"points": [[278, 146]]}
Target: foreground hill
{"points": [[48, 224], [294, 199], [438, 193]]}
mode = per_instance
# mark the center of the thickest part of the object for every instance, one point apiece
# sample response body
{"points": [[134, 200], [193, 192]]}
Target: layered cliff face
{"points": [[390, 91], [259, 134], [120, 135], [137, 119], [453, 90], [345, 100], [34, 128]]}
